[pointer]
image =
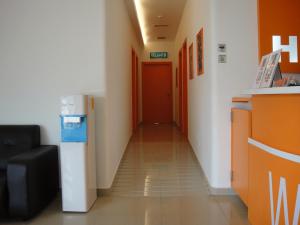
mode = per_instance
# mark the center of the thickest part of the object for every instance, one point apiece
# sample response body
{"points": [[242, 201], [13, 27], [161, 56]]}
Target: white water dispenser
{"points": [[77, 153]]}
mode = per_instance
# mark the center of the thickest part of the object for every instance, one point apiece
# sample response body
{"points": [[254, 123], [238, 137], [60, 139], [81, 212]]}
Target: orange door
{"points": [[184, 127], [180, 90], [137, 91], [157, 92], [240, 132]]}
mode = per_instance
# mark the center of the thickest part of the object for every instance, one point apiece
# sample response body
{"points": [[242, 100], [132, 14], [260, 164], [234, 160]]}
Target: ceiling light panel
{"points": [[141, 18]]}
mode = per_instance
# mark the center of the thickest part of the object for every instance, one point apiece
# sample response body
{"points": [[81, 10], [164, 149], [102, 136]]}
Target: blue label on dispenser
{"points": [[74, 128]]}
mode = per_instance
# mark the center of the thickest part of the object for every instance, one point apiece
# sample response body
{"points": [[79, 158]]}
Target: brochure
{"points": [[261, 71], [270, 70]]}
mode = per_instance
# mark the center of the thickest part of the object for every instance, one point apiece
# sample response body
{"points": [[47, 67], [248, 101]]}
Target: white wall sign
{"points": [[222, 48], [291, 48], [222, 58]]}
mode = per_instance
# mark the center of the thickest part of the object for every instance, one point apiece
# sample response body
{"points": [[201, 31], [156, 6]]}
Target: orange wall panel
{"points": [[276, 121], [279, 17]]}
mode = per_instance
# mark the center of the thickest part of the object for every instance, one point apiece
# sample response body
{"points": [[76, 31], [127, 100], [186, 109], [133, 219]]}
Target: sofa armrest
{"points": [[32, 180]]}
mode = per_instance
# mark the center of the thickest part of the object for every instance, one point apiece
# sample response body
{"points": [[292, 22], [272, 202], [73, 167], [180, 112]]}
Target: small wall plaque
{"points": [[222, 48], [222, 59]]}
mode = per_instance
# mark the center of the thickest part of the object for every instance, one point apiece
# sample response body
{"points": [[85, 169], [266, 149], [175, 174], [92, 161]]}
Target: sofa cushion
{"points": [[3, 194], [19, 138], [5, 156]]}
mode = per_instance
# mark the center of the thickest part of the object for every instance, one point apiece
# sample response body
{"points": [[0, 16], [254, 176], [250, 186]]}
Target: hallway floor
{"points": [[159, 182]]}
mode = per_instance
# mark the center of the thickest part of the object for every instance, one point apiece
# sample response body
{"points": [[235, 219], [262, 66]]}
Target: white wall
{"points": [[121, 39], [197, 14], [235, 24], [60, 47], [50, 49]]}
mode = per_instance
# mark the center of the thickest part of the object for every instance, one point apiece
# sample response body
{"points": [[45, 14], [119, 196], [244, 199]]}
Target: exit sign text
{"points": [[158, 55]]}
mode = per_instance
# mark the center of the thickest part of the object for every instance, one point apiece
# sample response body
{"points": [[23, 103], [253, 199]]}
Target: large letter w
{"points": [[282, 196]]}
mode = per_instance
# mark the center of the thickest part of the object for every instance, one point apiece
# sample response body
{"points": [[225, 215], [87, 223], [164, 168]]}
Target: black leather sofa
{"points": [[28, 172]]}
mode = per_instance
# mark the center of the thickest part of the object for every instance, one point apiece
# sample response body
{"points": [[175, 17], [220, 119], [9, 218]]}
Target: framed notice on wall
{"points": [[200, 55], [191, 61]]}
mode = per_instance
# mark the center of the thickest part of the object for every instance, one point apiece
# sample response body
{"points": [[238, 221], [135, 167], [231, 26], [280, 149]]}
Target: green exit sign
{"points": [[158, 55]]}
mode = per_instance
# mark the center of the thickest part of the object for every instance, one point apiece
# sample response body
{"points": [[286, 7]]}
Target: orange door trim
{"points": [[180, 89], [185, 79], [134, 91]]}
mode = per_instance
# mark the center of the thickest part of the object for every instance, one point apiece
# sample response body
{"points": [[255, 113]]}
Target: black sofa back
{"points": [[19, 137], [16, 139]]}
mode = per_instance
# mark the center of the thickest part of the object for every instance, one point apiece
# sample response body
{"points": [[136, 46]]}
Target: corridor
{"points": [[159, 182], [149, 112]]}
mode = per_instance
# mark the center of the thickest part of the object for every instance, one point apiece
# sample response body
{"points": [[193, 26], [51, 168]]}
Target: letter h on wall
{"points": [[292, 48]]}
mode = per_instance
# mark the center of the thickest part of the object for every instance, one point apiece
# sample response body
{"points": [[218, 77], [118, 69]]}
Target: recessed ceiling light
{"points": [[160, 16]]}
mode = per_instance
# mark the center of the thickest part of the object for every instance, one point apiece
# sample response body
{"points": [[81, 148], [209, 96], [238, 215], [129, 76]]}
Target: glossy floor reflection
{"points": [[159, 163], [159, 182]]}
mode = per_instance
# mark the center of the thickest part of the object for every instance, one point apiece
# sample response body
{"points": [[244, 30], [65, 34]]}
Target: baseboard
{"points": [[212, 190], [107, 191], [221, 191], [104, 192]]}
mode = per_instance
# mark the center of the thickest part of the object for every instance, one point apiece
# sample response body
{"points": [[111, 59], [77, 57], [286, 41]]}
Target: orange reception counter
{"points": [[266, 155]]}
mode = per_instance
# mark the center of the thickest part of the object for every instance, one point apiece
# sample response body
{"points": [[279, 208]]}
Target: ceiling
{"points": [[162, 18]]}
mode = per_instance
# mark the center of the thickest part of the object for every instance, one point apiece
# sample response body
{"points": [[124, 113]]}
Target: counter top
{"points": [[272, 91]]}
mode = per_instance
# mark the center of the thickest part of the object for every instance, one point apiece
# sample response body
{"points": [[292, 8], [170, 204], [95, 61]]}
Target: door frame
{"points": [[134, 89], [169, 63], [180, 88], [137, 89], [184, 91]]}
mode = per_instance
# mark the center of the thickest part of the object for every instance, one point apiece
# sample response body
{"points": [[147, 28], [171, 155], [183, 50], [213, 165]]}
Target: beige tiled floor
{"points": [[159, 182]]}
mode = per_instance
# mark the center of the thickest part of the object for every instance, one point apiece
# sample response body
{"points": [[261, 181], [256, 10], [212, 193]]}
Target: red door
{"points": [[157, 92]]}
